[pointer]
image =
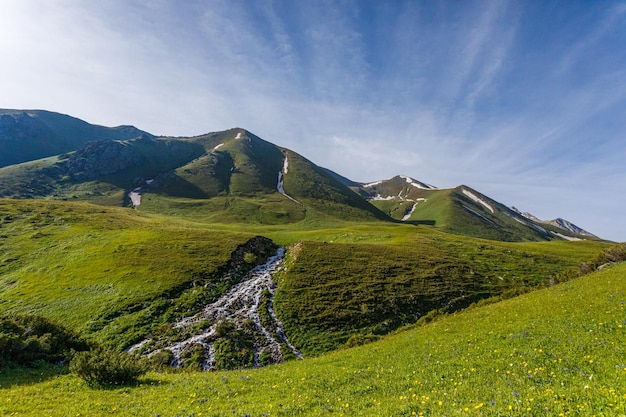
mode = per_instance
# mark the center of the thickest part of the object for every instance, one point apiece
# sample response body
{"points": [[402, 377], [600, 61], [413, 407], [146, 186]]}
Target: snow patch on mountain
{"points": [[478, 214], [371, 184], [478, 200], [569, 226], [418, 184], [135, 194], [378, 197], [281, 176], [558, 222], [217, 147], [135, 197], [570, 238], [408, 215]]}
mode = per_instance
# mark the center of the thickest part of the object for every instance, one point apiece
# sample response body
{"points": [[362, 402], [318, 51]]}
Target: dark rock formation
{"points": [[103, 158]]}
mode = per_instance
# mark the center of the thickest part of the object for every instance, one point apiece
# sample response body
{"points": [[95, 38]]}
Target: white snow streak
{"points": [[371, 184], [419, 185], [135, 197], [218, 146], [408, 215], [238, 136], [379, 197], [570, 238], [477, 214], [280, 186], [477, 200]]}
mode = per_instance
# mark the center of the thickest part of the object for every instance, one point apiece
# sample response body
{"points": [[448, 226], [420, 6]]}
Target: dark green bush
{"points": [[162, 359], [26, 339], [194, 359], [106, 366], [232, 355]]}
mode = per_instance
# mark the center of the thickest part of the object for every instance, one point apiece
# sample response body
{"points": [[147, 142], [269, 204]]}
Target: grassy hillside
{"points": [[103, 270], [554, 352], [464, 211], [120, 274], [333, 292], [316, 188], [459, 210]]}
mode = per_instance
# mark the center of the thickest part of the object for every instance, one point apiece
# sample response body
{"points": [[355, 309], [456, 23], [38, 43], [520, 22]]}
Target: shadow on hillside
{"points": [[16, 376], [418, 222], [13, 376]]}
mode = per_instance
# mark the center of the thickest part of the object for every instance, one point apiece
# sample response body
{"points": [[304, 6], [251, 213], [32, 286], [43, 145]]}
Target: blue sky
{"points": [[523, 101]]}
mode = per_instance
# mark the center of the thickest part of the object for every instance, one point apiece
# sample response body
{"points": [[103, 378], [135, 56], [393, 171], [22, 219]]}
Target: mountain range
{"points": [[233, 176]]}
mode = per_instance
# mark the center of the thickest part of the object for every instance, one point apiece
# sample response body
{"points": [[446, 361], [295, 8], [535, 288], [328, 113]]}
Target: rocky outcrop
{"points": [[102, 158], [21, 126]]}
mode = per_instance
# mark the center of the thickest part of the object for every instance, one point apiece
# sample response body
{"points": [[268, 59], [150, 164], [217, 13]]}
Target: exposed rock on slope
{"points": [[239, 329], [27, 135], [103, 158]]}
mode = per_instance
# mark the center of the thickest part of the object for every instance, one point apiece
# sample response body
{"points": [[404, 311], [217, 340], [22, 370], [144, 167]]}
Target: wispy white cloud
{"points": [[587, 44]]}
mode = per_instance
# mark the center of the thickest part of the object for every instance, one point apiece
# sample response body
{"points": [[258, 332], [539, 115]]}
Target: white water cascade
{"points": [[239, 304]]}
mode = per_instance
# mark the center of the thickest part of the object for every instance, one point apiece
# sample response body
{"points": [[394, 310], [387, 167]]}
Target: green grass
{"points": [[331, 291], [77, 263], [553, 352], [119, 274], [272, 209]]}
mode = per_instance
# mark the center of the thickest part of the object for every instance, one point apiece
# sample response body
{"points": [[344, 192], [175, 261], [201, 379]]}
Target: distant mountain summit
{"points": [[232, 176], [26, 135], [558, 222], [461, 210]]}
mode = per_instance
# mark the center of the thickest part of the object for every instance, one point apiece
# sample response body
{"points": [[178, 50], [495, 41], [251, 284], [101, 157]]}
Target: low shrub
{"points": [[106, 366]]}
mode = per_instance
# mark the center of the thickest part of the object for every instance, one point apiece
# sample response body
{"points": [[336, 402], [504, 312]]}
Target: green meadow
{"points": [[553, 352], [117, 274]]}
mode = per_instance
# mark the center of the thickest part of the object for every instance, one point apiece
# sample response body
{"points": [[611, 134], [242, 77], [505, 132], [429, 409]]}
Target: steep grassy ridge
{"points": [[333, 291], [554, 352], [459, 210], [324, 194]]}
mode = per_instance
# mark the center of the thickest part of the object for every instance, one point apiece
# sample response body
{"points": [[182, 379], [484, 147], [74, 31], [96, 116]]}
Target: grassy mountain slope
{"points": [[558, 351], [331, 292], [234, 181], [319, 190], [27, 135], [100, 171], [230, 176], [459, 210]]}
